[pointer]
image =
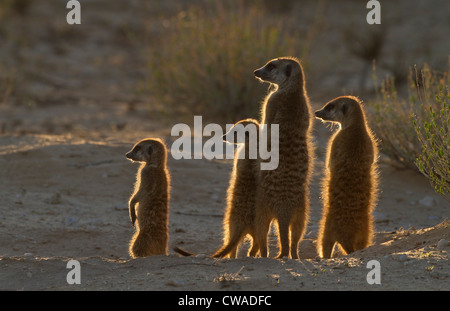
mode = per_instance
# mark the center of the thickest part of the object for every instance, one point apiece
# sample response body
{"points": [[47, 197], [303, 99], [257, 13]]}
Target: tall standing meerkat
{"points": [[151, 195], [351, 180], [239, 216], [283, 193]]}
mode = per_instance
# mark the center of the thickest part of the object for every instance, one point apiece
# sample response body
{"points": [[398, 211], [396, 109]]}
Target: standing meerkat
{"points": [[152, 197], [240, 213], [351, 181], [283, 193]]}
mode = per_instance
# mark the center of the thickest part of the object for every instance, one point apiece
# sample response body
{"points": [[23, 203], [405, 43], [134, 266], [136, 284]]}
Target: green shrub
{"points": [[203, 62], [392, 115], [433, 133]]}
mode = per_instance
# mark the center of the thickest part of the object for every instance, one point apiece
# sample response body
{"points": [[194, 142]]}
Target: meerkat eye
{"points": [[330, 107], [344, 108], [150, 150], [137, 148], [271, 66], [288, 70]]}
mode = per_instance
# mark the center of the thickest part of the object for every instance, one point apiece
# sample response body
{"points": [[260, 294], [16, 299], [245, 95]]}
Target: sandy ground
{"points": [[65, 198], [65, 183]]}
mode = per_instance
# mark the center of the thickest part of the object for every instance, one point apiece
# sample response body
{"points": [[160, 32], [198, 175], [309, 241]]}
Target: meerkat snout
{"points": [[319, 114], [129, 155]]}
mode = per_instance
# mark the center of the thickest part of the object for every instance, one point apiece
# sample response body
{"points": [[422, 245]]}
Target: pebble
{"points": [[442, 243], [438, 275], [427, 201], [54, 199], [380, 217], [402, 258], [200, 256], [69, 221], [175, 283]]}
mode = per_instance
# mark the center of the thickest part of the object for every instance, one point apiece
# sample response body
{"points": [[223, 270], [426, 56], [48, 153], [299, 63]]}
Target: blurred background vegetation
{"points": [[204, 61], [170, 60]]}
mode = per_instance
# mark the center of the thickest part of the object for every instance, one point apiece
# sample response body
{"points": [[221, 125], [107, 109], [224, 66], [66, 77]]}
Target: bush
{"points": [[203, 63], [433, 134], [392, 116]]}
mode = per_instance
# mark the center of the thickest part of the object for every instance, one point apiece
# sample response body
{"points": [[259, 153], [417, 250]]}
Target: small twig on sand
{"points": [[193, 214]]}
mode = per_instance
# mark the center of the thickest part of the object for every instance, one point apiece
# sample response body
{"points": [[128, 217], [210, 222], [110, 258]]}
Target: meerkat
{"points": [[283, 193], [151, 195], [240, 213], [351, 181]]}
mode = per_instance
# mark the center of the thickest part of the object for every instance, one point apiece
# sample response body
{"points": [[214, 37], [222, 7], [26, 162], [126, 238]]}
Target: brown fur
{"points": [[283, 193], [152, 197], [350, 183], [240, 213]]}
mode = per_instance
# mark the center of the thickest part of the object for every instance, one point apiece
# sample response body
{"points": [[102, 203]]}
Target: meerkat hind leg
{"points": [[326, 246], [255, 248], [297, 228], [261, 235], [283, 236]]}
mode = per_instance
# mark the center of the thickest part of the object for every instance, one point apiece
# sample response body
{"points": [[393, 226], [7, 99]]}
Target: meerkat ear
{"points": [[288, 70]]}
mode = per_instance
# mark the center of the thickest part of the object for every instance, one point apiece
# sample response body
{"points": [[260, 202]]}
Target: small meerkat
{"points": [[240, 213], [351, 180], [152, 197], [283, 193]]}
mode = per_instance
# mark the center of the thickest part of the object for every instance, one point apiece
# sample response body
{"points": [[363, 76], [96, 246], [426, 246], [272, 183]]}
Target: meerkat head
{"points": [[241, 132], [151, 151], [279, 71], [340, 110]]}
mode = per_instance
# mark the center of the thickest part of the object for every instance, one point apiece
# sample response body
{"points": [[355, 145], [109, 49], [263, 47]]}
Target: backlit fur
{"points": [[350, 184]]}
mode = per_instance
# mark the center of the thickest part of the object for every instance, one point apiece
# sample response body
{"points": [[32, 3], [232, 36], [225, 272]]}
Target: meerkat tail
{"points": [[236, 234], [225, 250], [183, 252]]}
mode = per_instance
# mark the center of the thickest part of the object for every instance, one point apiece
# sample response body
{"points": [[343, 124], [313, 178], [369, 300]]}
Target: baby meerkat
{"points": [[240, 213], [152, 197], [283, 193], [351, 181]]}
